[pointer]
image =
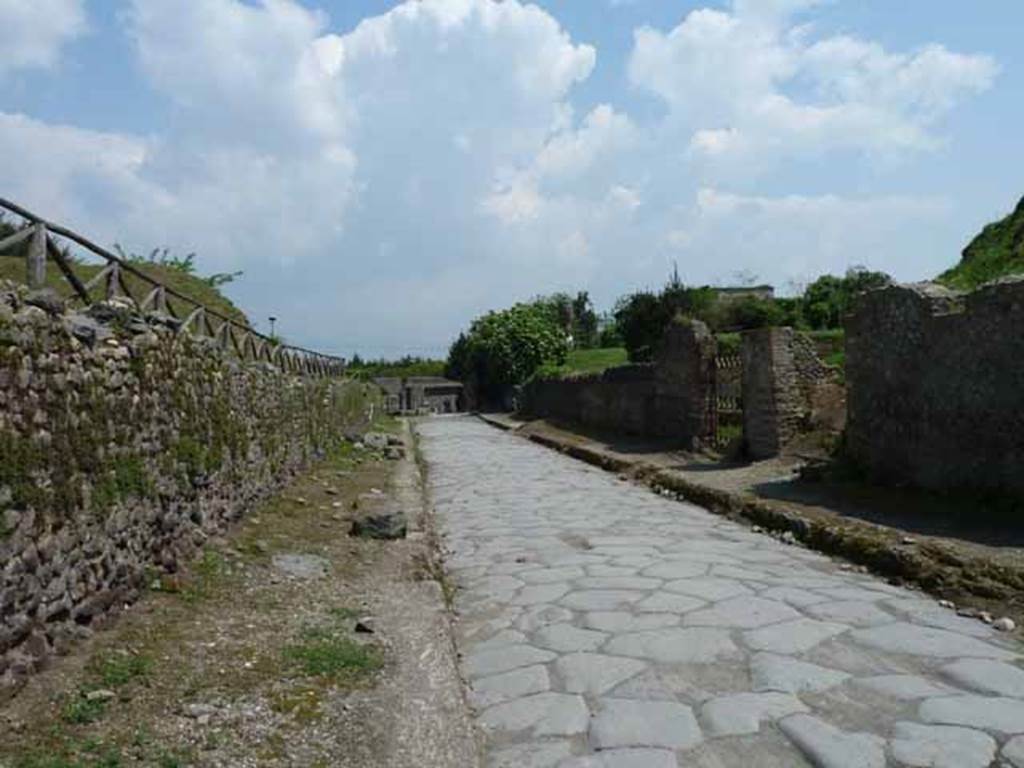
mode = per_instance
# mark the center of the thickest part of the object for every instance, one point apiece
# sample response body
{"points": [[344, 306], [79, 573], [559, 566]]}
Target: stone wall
{"points": [[665, 399], [787, 390], [619, 399], [936, 386], [122, 448]]}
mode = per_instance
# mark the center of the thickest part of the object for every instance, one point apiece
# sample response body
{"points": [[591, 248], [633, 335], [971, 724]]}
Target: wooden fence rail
{"points": [[189, 316]]}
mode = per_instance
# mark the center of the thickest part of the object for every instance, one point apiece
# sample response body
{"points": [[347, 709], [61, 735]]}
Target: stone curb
{"points": [[936, 569]]}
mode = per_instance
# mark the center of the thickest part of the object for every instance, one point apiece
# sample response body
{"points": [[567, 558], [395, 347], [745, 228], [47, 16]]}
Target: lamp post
{"points": [[272, 321]]}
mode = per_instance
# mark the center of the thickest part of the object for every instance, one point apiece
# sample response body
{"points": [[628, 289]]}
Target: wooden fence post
{"points": [[36, 260]]}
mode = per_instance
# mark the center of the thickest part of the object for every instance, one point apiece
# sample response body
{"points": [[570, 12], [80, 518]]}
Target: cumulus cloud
{"points": [[33, 33], [747, 86], [381, 186]]}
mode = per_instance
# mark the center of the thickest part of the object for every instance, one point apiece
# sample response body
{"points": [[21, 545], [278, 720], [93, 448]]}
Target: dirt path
{"points": [[254, 658]]}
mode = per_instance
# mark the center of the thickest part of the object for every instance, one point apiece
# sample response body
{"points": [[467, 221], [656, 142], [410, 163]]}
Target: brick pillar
{"points": [[773, 402]]}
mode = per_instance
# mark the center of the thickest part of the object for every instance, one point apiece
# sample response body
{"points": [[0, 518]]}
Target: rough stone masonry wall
{"points": [[784, 381], [618, 400], [936, 386], [666, 399], [122, 448]]}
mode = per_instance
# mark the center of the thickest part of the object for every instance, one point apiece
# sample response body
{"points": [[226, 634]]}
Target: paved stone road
{"points": [[603, 626]]}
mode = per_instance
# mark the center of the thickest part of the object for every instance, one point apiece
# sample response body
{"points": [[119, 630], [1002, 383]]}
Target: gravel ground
{"points": [[254, 658]]}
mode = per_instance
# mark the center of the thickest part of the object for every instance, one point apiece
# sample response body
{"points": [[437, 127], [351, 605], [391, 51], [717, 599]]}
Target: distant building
{"points": [[739, 293], [421, 394]]}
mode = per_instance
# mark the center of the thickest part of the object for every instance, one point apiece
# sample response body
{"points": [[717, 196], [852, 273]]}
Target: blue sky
{"points": [[383, 172]]}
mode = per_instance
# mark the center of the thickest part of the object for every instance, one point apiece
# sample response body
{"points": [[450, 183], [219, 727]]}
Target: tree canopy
{"points": [[504, 348]]}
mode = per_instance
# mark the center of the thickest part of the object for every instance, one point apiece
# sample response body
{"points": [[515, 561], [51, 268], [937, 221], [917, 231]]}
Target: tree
{"points": [[829, 298], [503, 349], [584, 328], [642, 317]]}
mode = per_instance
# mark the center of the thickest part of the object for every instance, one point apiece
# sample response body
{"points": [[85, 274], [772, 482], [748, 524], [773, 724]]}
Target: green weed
{"points": [[324, 652]]}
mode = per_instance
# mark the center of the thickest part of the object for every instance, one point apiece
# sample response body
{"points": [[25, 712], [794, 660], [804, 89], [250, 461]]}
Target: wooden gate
{"points": [[725, 401]]}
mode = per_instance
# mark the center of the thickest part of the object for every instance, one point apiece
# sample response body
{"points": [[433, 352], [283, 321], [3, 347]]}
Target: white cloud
{"points": [[384, 185], [748, 87], [33, 32], [801, 236]]}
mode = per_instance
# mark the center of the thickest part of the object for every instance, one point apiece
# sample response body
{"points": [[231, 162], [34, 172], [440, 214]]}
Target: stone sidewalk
{"points": [[603, 626]]}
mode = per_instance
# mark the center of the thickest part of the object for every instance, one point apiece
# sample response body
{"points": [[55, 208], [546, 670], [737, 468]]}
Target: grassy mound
{"points": [[998, 251], [12, 267]]}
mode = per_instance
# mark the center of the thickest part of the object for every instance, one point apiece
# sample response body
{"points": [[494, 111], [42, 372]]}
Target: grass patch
{"points": [[13, 268], [79, 709], [729, 343], [324, 652], [583, 361], [205, 573], [117, 670], [343, 614], [387, 423]]}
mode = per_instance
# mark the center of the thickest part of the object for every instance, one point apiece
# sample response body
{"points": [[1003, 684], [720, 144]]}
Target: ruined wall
{"points": [[787, 390], [122, 447], [936, 386], [664, 399], [619, 399]]}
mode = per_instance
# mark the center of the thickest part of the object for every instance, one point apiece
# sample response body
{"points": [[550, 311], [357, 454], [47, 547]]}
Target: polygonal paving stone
{"points": [[497, 640], [903, 687], [744, 612], [675, 646], [708, 588], [612, 571], [567, 638], [593, 673], [1013, 751], [828, 747], [793, 636], [495, 583], [987, 676], [649, 685], [943, 618], [926, 641], [939, 746], [630, 723], [624, 758], [856, 613], [620, 621], [550, 575], [617, 582], [545, 714], [676, 570], [743, 713], [535, 754], [993, 714], [857, 594], [794, 596], [600, 599], [542, 616], [488, 691], [665, 602], [496, 660], [538, 594], [738, 572], [788, 675]]}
